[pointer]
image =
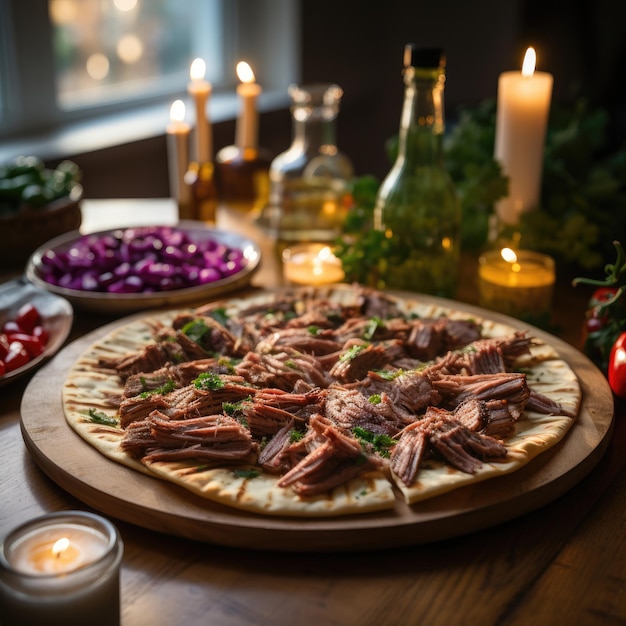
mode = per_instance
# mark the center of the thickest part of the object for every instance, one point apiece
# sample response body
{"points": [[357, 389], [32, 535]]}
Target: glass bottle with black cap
{"points": [[417, 206]]}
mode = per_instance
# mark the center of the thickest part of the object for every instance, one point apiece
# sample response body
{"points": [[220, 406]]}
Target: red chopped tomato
{"points": [[11, 326], [16, 357], [3, 368], [602, 295], [28, 317], [4, 345], [617, 367], [33, 344], [42, 333]]}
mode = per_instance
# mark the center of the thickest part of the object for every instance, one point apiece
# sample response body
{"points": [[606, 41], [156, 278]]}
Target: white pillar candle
{"points": [[178, 132], [200, 90], [248, 121], [62, 568], [521, 123]]}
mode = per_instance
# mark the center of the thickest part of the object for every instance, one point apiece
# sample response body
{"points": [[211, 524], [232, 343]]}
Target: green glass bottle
{"points": [[417, 206]]}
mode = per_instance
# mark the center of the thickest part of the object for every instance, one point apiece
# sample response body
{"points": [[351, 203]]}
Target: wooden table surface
{"points": [[562, 564]]}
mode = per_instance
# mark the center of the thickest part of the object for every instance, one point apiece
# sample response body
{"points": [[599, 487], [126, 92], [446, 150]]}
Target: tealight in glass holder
{"points": [[517, 283], [61, 569]]}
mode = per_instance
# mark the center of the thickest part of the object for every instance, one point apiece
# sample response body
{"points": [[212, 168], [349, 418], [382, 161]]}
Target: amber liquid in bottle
{"points": [[242, 178], [203, 203]]}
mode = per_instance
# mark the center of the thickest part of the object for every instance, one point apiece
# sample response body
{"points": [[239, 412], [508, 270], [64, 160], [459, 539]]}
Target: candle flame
{"points": [[177, 111], [530, 61], [508, 255], [60, 546], [197, 69], [244, 72], [325, 254]]}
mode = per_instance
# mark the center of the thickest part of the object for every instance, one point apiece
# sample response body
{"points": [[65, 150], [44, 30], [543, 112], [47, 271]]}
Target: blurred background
{"points": [[92, 80]]}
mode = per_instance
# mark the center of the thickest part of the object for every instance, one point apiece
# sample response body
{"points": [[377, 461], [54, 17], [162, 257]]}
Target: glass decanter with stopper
{"points": [[417, 207], [309, 194]]}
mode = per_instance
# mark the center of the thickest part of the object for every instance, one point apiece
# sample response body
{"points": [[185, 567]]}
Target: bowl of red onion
{"points": [[130, 269]]}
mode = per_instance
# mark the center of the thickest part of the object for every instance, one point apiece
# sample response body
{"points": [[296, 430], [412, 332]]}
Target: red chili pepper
{"points": [[617, 367]]}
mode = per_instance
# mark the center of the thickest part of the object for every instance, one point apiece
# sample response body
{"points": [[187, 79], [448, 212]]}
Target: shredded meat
{"points": [[296, 386]]}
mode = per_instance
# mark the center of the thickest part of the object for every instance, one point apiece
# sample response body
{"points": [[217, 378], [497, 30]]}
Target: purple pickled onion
{"points": [[208, 275], [130, 284], [140, 260]]}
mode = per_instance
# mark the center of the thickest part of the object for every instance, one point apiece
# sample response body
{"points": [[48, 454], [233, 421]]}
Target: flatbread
{"points": [[89, 388]]}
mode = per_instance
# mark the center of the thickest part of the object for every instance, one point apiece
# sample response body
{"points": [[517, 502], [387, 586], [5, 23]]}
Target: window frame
{"points": [[265, 32]]}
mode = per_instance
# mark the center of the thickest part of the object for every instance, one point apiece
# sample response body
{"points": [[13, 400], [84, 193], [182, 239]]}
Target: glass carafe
{"points": [[309, 181]]}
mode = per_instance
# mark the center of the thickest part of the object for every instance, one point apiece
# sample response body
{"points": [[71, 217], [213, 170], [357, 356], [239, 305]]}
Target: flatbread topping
{"points": [[317, 402]]}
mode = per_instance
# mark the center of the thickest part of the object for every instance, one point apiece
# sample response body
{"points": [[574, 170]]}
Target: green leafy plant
{"points": [[583, 195]]}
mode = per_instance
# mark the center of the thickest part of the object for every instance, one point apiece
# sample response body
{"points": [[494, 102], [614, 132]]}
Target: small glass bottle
{"points": [[417, 207], [309, 181], [242, 178], [200, 179]]}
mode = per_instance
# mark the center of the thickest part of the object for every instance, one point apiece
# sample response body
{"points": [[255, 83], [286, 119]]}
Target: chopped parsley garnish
{"points": [[231, 408], [389, 374], [220, 316], [313, 330], [375, 399], [348, 355], [372, 326], [295, 435], [166, 387], [227, 363], [195, 330], [208, 381], [99, 417], [292, 364], [246, 473], [380, 443]]}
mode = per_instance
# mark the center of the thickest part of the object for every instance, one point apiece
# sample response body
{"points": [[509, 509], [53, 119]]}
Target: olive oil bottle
{"points": [[417, 207]]}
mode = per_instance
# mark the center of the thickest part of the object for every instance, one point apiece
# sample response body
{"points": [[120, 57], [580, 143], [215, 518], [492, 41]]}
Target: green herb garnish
{"points": [[246, 473], [166, 387], [380, 443], [348, 355], [295, 435], [208, 381], [375, 399], [389, 374], [372, 326], [220, 316], [195, 330], [99, 417]]}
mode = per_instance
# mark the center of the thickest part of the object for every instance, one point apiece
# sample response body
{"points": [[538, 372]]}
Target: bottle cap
{"points": [[423, 57]]}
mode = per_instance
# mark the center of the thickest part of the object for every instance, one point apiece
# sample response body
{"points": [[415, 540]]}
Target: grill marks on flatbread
{"points": [[321, 402]]}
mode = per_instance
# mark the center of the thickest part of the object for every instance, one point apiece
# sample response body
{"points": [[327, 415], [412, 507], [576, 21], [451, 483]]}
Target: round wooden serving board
{"points": [[131, 496]]}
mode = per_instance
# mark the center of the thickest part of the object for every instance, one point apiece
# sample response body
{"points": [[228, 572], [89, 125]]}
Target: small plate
{"points": [[56, 313], [110, 303]]}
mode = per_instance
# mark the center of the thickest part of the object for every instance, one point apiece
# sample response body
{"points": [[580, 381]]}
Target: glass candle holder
{"points": [[61, 568], [519, 283], [311, 264]]}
